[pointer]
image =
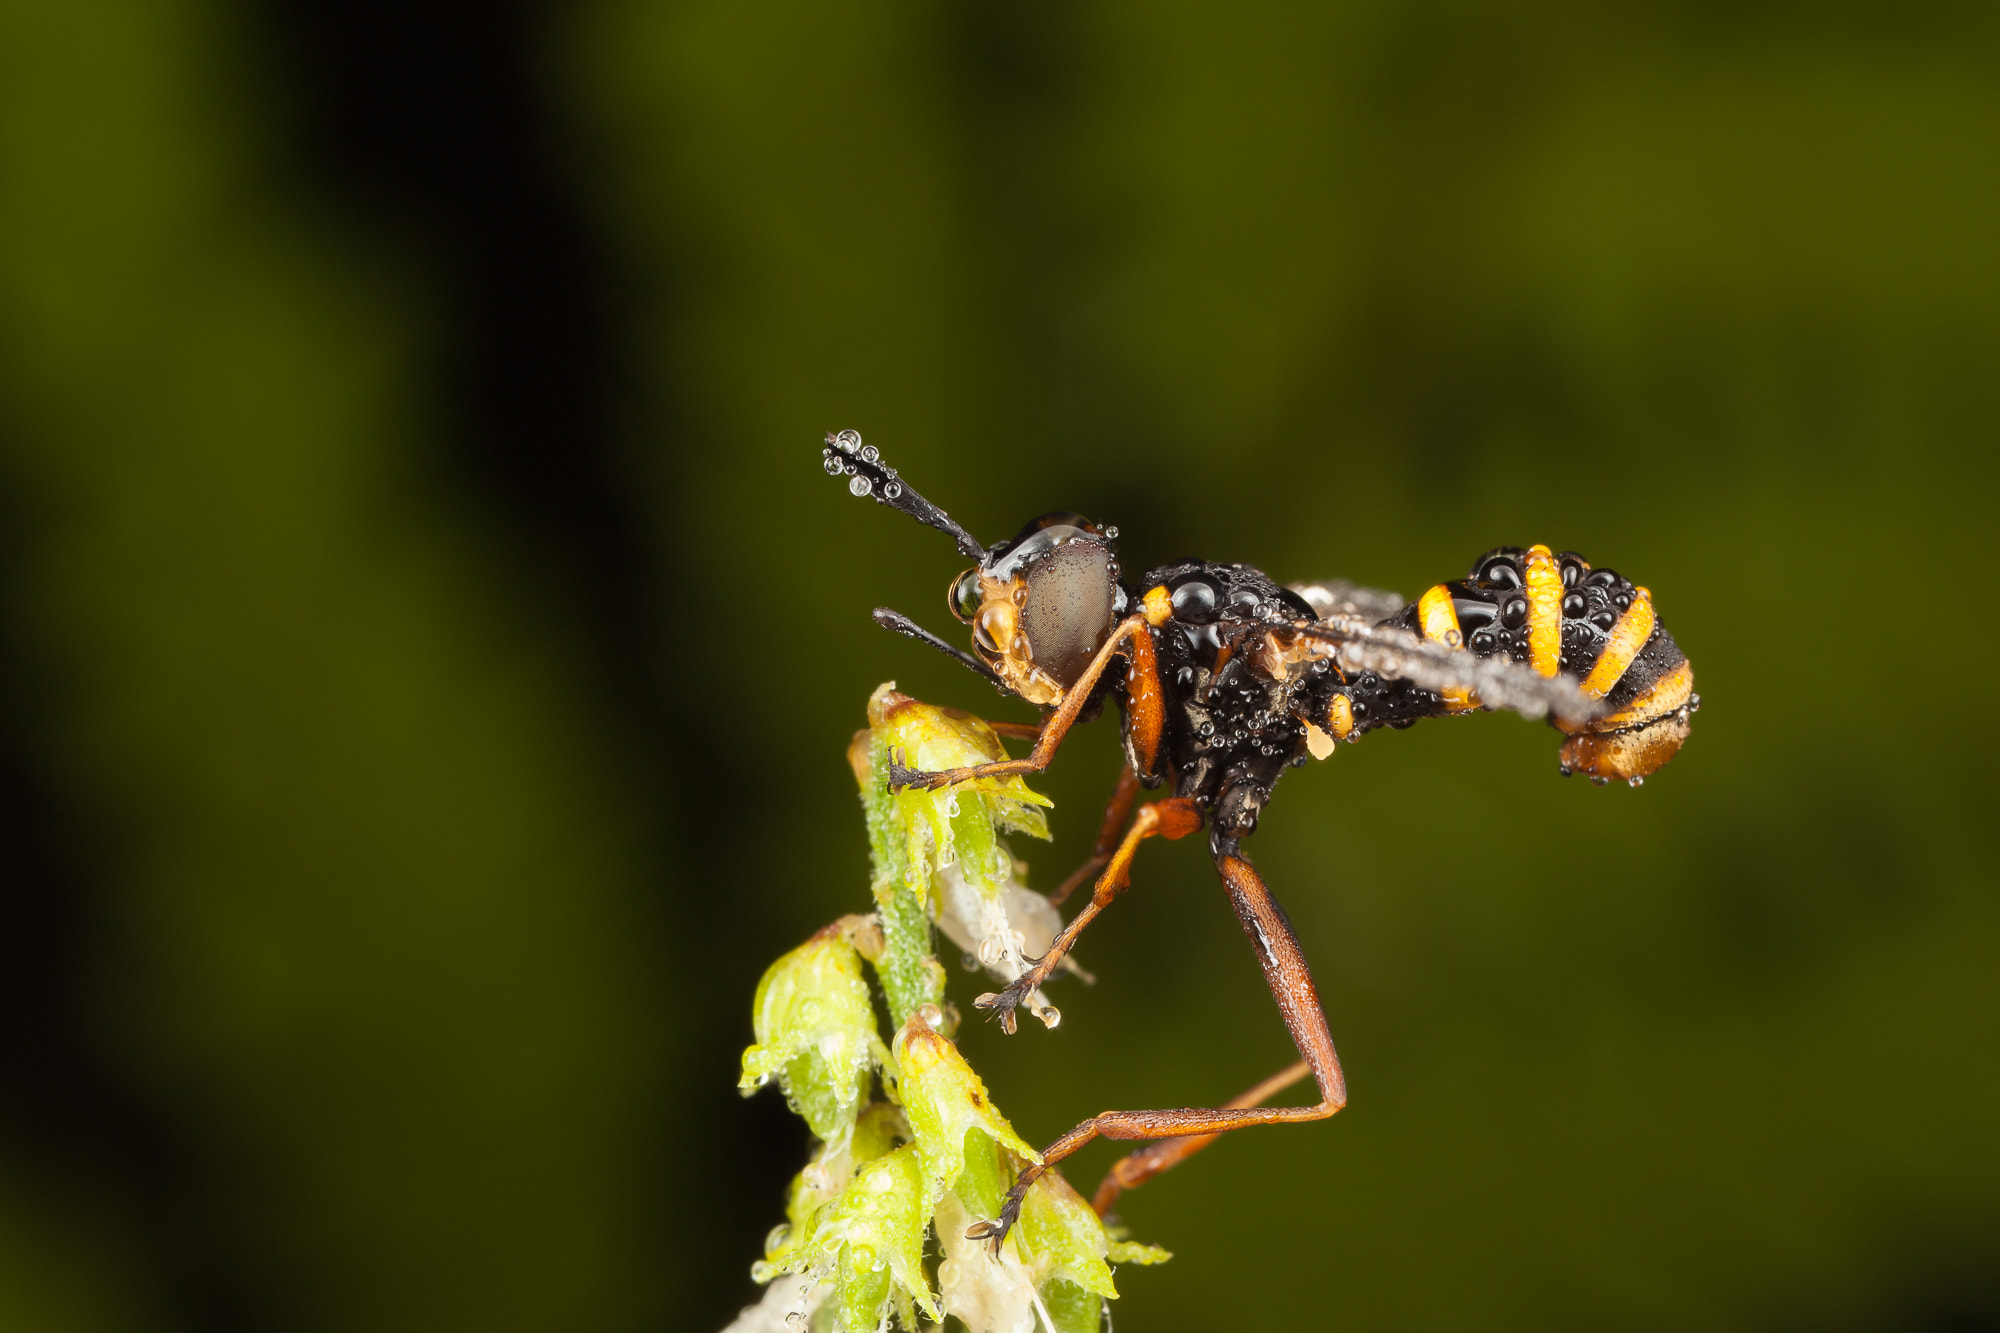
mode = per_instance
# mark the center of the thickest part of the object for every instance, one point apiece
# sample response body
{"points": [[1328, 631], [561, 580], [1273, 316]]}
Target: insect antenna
{"points": [[902, 624], [846, 456]]}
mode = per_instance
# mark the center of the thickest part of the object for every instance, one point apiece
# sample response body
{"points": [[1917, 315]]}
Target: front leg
{"points": [[1173, 818], [1053, 730]]}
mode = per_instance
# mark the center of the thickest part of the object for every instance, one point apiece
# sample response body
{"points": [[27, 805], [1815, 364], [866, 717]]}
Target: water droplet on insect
{"points": [[1051, 1016], [832, 465], [968, 962], [860, 485], [1635, 782], [795, 1320], [1111, 534], [850, 440], [1599, 782], [893, 490], [870, 453]]}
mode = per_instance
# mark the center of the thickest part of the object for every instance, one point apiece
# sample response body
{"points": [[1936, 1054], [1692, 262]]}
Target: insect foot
{"points": [[994, 1233], [1002, 1004], [904, 778]]}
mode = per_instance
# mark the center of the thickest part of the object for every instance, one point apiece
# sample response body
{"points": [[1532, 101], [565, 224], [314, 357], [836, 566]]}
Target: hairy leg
{"points": [[1135, 1169], [1175, 817], [1108, 833], [1291, 983], [1054, 728]]}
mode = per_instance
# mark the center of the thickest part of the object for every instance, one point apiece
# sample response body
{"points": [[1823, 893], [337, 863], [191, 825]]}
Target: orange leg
{"points": [[1054, 728], [1291, 984], [1115, 815], [1134, 1170], [1175, 817], [1020, 731]]}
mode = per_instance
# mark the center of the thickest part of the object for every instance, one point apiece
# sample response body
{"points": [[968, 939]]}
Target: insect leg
{"points": [[1175, 817], [1053, 730], [1020, 731], [1135, 1169], [1291, 984], [1115, 815]]}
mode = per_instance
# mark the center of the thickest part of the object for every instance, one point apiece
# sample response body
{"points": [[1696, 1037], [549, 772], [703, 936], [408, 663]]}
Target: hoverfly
{"points": [[1225, 679]]}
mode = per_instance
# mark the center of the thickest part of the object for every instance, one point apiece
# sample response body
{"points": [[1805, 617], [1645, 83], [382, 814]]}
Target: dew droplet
{"points": [[1111, 534], [860, 485], [1635, 782], [849, 440], [869, 453], [795, 1320], [832, 465], [893, 490]]}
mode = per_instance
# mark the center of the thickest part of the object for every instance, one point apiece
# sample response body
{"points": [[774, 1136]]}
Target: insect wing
{"points": [[1337, 597], [1499, 682]]}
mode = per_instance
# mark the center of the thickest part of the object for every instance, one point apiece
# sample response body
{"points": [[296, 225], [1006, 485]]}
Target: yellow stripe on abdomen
{"points": [[1340, 718], [1440, 621], [1545, 598], [1628, 638]]}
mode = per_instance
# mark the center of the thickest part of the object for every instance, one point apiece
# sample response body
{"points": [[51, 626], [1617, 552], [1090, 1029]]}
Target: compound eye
{"points": [[964, 596], [1070, 608]]}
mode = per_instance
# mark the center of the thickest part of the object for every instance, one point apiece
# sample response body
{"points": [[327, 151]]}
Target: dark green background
{"points": [[429, 641]]}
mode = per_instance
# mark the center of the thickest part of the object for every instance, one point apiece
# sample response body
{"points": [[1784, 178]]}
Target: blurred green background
{"points": [[429, 642]]}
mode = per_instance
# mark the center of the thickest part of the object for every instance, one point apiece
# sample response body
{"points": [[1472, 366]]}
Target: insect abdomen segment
{"points": [[1552, 613]]}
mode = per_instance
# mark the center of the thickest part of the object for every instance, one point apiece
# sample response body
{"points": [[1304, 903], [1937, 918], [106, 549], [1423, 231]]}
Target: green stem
{"points": [[911, 977]]}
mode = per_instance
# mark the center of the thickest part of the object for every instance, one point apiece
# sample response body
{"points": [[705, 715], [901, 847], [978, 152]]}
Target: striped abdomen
{"points": [[1554, 613]]}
